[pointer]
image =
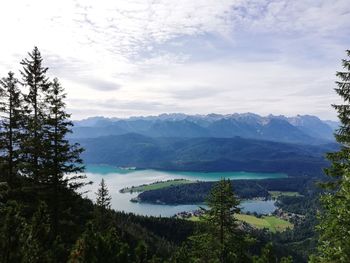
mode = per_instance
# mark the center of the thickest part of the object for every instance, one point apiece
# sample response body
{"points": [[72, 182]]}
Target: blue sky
{"points": [[126, 58]]}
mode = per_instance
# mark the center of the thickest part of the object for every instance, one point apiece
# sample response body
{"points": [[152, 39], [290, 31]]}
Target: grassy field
{"points": [[194, 218], [155, 185], [275, 194], [272, 223]]}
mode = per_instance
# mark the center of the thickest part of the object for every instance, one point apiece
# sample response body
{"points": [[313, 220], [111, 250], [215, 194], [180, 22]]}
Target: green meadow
{"points": [[272, 223]]}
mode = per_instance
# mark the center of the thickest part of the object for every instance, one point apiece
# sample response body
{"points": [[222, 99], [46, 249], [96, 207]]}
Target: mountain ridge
{"points": [[305, 129]]}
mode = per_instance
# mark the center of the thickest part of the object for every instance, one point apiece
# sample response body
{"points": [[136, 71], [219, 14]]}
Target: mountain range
{"points": [[304, 129], [214, 142]]}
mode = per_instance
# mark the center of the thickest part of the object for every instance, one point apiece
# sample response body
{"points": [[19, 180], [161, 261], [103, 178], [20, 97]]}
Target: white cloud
{"points": [[251, 55]]}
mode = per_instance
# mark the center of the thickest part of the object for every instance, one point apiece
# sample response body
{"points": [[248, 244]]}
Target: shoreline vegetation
{"points": [[137, 199], [276, 194], [132, 168], [155, 185], [196, 192]]}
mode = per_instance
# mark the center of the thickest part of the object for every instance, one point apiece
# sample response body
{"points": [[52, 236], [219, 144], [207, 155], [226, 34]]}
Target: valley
{"points": [[173, 173], [128, 185]]}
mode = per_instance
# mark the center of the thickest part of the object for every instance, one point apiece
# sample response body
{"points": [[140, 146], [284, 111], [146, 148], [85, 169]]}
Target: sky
{"points": [[129, 58]]}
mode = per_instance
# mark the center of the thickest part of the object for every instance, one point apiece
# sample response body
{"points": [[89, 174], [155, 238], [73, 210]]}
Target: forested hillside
{"points": [[206, 154]]}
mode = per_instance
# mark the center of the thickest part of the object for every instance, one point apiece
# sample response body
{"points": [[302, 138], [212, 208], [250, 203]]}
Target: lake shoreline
{"points": [[233, 175], [117, 179]]}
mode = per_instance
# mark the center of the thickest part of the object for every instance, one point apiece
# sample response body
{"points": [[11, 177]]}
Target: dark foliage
{"points": [[11, 122], [245, 189], [334, 226]]}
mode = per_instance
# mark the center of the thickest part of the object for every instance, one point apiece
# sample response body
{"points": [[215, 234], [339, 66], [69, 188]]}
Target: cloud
{"points": [[264, 56], [101, 85], [115, 105], [192, 93], [310, 16]]}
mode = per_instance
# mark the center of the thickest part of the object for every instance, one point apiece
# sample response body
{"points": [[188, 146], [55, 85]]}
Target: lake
{"points": [[117, 179]]}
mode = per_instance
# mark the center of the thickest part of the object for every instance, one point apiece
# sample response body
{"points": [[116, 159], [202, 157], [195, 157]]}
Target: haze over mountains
{"points": [[305, 129], [237, 142]]}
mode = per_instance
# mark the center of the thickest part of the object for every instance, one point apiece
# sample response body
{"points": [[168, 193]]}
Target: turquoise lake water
{"points": [[201, 176], [117, 179]]}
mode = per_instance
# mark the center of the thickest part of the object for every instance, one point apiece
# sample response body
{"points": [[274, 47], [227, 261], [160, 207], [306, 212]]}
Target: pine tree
{"points": [[61, 156], [340, 160], [103, 203], [103, 199], [35, 79], [50, 159], [11, 121], [220, 241], [222, 206], [334, 227], [62, 164]]}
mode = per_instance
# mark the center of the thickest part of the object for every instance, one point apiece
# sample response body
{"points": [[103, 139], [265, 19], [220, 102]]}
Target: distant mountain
{"points": [[206, 154], [333, 124], [313, 126], [303, 129]]}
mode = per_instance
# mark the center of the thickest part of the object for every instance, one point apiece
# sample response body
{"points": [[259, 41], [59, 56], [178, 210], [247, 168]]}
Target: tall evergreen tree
{"points": [[11, 121], [62, 164], [103, 199], [334, 227], [220, 241], [340, 160], [222, 206], [102, 217], [35, 79]]}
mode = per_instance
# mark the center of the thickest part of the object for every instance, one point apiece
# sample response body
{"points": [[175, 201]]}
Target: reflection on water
{"points": [[117, 179]]}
